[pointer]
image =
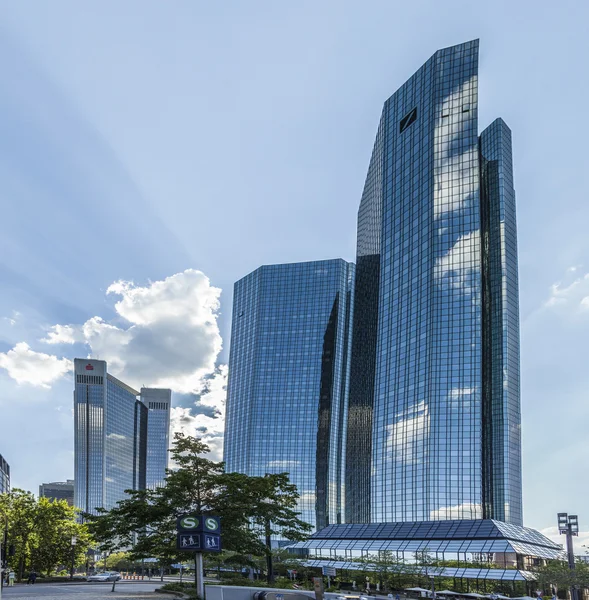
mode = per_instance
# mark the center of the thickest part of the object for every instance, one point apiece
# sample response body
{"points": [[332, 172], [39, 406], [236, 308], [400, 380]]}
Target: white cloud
{"points": [[459, 268], [214, 391], [307, 499], [35, 368], [457, 394], [283, 464], [464, 400], [171, 338], [12, 320], [165, 335], [570, 294], [458, 511], [182, 421], [209, 428], [455, 185], [579, 542], [63, 334], [408, 434]]}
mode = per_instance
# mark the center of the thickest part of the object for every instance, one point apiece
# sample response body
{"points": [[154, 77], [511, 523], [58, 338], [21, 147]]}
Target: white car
{"points": [[106, 576]]}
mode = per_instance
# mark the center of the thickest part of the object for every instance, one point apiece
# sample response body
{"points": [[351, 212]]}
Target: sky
{"points": [[152, 153]]}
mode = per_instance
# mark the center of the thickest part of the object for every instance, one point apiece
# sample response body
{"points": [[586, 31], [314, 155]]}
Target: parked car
{"points": [[106, 576]]}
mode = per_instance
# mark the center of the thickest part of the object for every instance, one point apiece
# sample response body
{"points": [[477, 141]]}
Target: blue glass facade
{"points": [[501, 387], [4, 476], [110, 437], [288, 380], [434, 424], [358, 471], [158, 402]]}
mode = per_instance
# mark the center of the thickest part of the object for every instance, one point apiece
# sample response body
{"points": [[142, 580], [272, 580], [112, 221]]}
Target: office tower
{"points": [[4, 476], [58, 490], [434, 407], [288, 377], [110, 437], [158, 403]]}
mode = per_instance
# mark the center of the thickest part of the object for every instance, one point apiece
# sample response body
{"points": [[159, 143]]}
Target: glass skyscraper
{"points": [[288, 380], [4, 476], [424, 420], [110, 437], [434, 407], [158, 403]]}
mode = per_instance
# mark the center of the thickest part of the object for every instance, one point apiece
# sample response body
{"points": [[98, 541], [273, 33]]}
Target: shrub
{"points": [[185, 588]]}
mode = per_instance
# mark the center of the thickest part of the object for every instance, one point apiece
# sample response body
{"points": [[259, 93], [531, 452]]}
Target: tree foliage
{"points": [[41, 532], [146, 521], [557, 574], [118, 561]]}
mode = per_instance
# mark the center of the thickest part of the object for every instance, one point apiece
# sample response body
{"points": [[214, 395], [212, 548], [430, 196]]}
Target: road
{"points": [[125, 590]]}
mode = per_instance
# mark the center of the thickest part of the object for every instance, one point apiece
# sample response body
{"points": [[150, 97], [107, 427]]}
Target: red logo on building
{"points": [[89, 367]]}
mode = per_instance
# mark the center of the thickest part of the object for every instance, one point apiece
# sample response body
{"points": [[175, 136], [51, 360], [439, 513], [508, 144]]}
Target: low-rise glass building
{"points": [[480, 549], [58, 490]]}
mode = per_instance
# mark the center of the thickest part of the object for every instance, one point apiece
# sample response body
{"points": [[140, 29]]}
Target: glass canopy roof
{"points": [[476, 536]]}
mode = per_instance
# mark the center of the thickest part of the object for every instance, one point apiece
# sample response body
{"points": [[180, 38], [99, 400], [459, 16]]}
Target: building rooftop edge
{"points": [[410, 527], [122, 384], [302, 262]]}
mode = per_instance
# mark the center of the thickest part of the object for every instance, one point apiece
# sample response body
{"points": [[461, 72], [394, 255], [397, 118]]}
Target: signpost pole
{"points": [[328, 572], [318, 585], [198, 534], [196, 572], [199, 579]]}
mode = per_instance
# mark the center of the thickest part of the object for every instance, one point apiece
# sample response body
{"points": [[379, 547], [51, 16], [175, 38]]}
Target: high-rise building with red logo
{"points": [[114, 443]]}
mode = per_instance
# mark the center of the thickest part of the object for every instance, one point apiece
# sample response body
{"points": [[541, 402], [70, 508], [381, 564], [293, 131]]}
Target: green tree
{"points": [[270, 505], [582, 574], [557, 574], [248, 506], [18, 509], [384, 567], [118, 561], [41, 532], [284, 562], [55, 529]]}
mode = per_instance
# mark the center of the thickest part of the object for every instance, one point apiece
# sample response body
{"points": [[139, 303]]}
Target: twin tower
{"points": [[389, 389]]}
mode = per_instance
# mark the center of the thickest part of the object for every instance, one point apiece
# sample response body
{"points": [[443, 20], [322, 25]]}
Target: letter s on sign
{"points": [[189, 522]]}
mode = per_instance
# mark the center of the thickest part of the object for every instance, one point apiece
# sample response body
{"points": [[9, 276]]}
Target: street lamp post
{"points": [[74, 541], [569, 526]]}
